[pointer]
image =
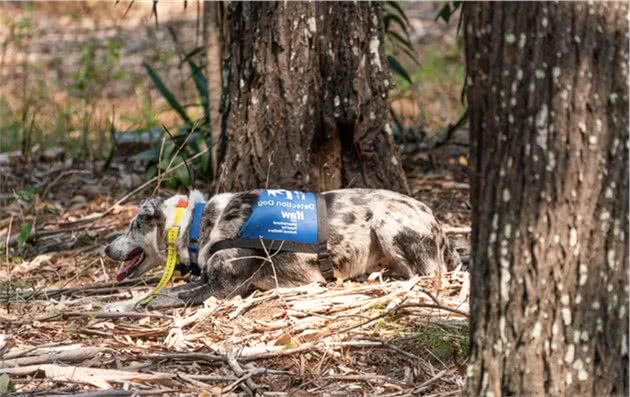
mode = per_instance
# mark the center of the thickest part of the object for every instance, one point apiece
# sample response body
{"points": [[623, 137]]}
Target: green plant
{"points": [[6, 386], [192, 138], [448, 10], [444, 342], [99, 65], [396, 26], [25, 234]]}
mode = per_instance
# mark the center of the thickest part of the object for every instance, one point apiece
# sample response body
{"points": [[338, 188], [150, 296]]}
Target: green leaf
{"points": [[400, 39], [411, 54], [447, 11], [6, 386], [396, 7], [26, 194], [166, 93], [202, 87], [397, 68], [387, 19], [192, 53], [24, 235]]}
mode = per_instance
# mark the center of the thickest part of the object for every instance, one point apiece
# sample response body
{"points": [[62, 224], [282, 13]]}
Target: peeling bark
{"points": [[548, 96], [305, 104]]}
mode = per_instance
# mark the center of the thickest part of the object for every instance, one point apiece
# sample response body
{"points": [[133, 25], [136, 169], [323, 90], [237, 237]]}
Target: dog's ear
{"points": [[150, 207]]}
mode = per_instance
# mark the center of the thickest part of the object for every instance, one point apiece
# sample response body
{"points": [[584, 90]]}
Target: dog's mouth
{"points": [[133, 261]]}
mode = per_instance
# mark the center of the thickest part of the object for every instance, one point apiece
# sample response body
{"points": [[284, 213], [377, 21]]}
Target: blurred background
{"points": [[80, 76]]}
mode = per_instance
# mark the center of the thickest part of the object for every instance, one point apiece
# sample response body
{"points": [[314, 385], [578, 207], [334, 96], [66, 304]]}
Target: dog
{"points": [[369, 230]]}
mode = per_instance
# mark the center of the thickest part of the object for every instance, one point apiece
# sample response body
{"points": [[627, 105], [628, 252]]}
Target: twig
{"points": [[457, 229], [58, 178], [249, 386], [7, 242], [102, 315], [159, 169], [369, 378], [179, 149], [118, 393], [400, 307], [208, 357], [439, 307], [244, 378], [98, 287], [428, 382], [79, 354], [149, 182], [270, 159]]}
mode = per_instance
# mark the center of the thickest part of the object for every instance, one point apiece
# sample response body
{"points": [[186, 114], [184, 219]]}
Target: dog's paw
{"points": [[164, 301]]}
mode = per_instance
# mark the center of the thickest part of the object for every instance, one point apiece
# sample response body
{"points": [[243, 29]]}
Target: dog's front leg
{"points": [[192, 293]]}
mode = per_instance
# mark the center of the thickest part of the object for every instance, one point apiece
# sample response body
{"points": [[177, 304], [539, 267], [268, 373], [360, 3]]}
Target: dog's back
{"points": [[369, 229], [401, 233]]}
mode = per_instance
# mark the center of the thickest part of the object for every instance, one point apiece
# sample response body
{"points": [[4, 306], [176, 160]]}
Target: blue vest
{"points": [[285, 220], [285, 215]]}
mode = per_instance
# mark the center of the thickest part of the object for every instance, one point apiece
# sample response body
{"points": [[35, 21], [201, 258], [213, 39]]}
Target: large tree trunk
{"points": [[305, 104], [548, 97], [214, 43]]}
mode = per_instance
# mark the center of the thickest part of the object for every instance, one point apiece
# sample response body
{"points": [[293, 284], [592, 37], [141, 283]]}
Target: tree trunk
{"points": [[305, 105], [214, 43], [548, 99]]}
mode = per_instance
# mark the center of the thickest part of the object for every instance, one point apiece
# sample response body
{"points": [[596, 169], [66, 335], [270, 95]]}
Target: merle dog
{"points": [[369, 230]]}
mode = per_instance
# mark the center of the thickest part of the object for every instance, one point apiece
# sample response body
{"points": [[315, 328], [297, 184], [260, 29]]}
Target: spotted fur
{"points": [[369, 230]]}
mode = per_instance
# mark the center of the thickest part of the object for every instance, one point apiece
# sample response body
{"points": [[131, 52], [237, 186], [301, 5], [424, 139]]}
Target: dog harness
{"points": [[285, 220], [171, 250], [296, 223], [193, 242]]}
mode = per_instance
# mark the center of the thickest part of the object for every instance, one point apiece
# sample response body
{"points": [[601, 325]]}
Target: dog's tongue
{"points": [[124, 272]]}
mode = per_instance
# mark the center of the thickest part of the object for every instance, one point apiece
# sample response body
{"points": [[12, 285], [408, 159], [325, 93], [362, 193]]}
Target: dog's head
{"points": [[142, 246]]}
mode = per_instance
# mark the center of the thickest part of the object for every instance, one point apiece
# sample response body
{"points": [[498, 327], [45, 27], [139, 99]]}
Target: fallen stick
{"points": [[369, 378], [51, 293], [428, 382], [249, 386], [244, 378], [208, 357], [400, 307], [457, 229], [79, 354], [101, 315], [117, 393], [93, 376]]}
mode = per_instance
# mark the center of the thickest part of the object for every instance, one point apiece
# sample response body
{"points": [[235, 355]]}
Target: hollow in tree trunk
{"points": [[305, 102]]}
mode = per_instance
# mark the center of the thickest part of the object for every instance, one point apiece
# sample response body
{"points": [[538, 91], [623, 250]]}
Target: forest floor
{"points": [[78, 66], [377, 337]]}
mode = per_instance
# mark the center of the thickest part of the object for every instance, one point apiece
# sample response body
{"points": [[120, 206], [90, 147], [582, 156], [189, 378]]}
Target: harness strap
{"points": [[320, 248], [323, 256], [171, 251], [193, 244]]}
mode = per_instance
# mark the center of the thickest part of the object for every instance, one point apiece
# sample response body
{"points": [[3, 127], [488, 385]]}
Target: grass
{"points": [[444, 340]]}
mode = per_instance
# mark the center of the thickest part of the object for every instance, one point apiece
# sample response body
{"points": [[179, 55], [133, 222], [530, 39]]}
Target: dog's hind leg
{"points": [[409, 252]]}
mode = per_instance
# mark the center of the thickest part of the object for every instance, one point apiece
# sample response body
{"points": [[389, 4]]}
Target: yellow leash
{"points": [[171, 252]]}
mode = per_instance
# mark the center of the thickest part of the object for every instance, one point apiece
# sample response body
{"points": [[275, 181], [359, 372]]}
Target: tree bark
{"points": [[548, 99], [305, 105], [214, 43]]}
